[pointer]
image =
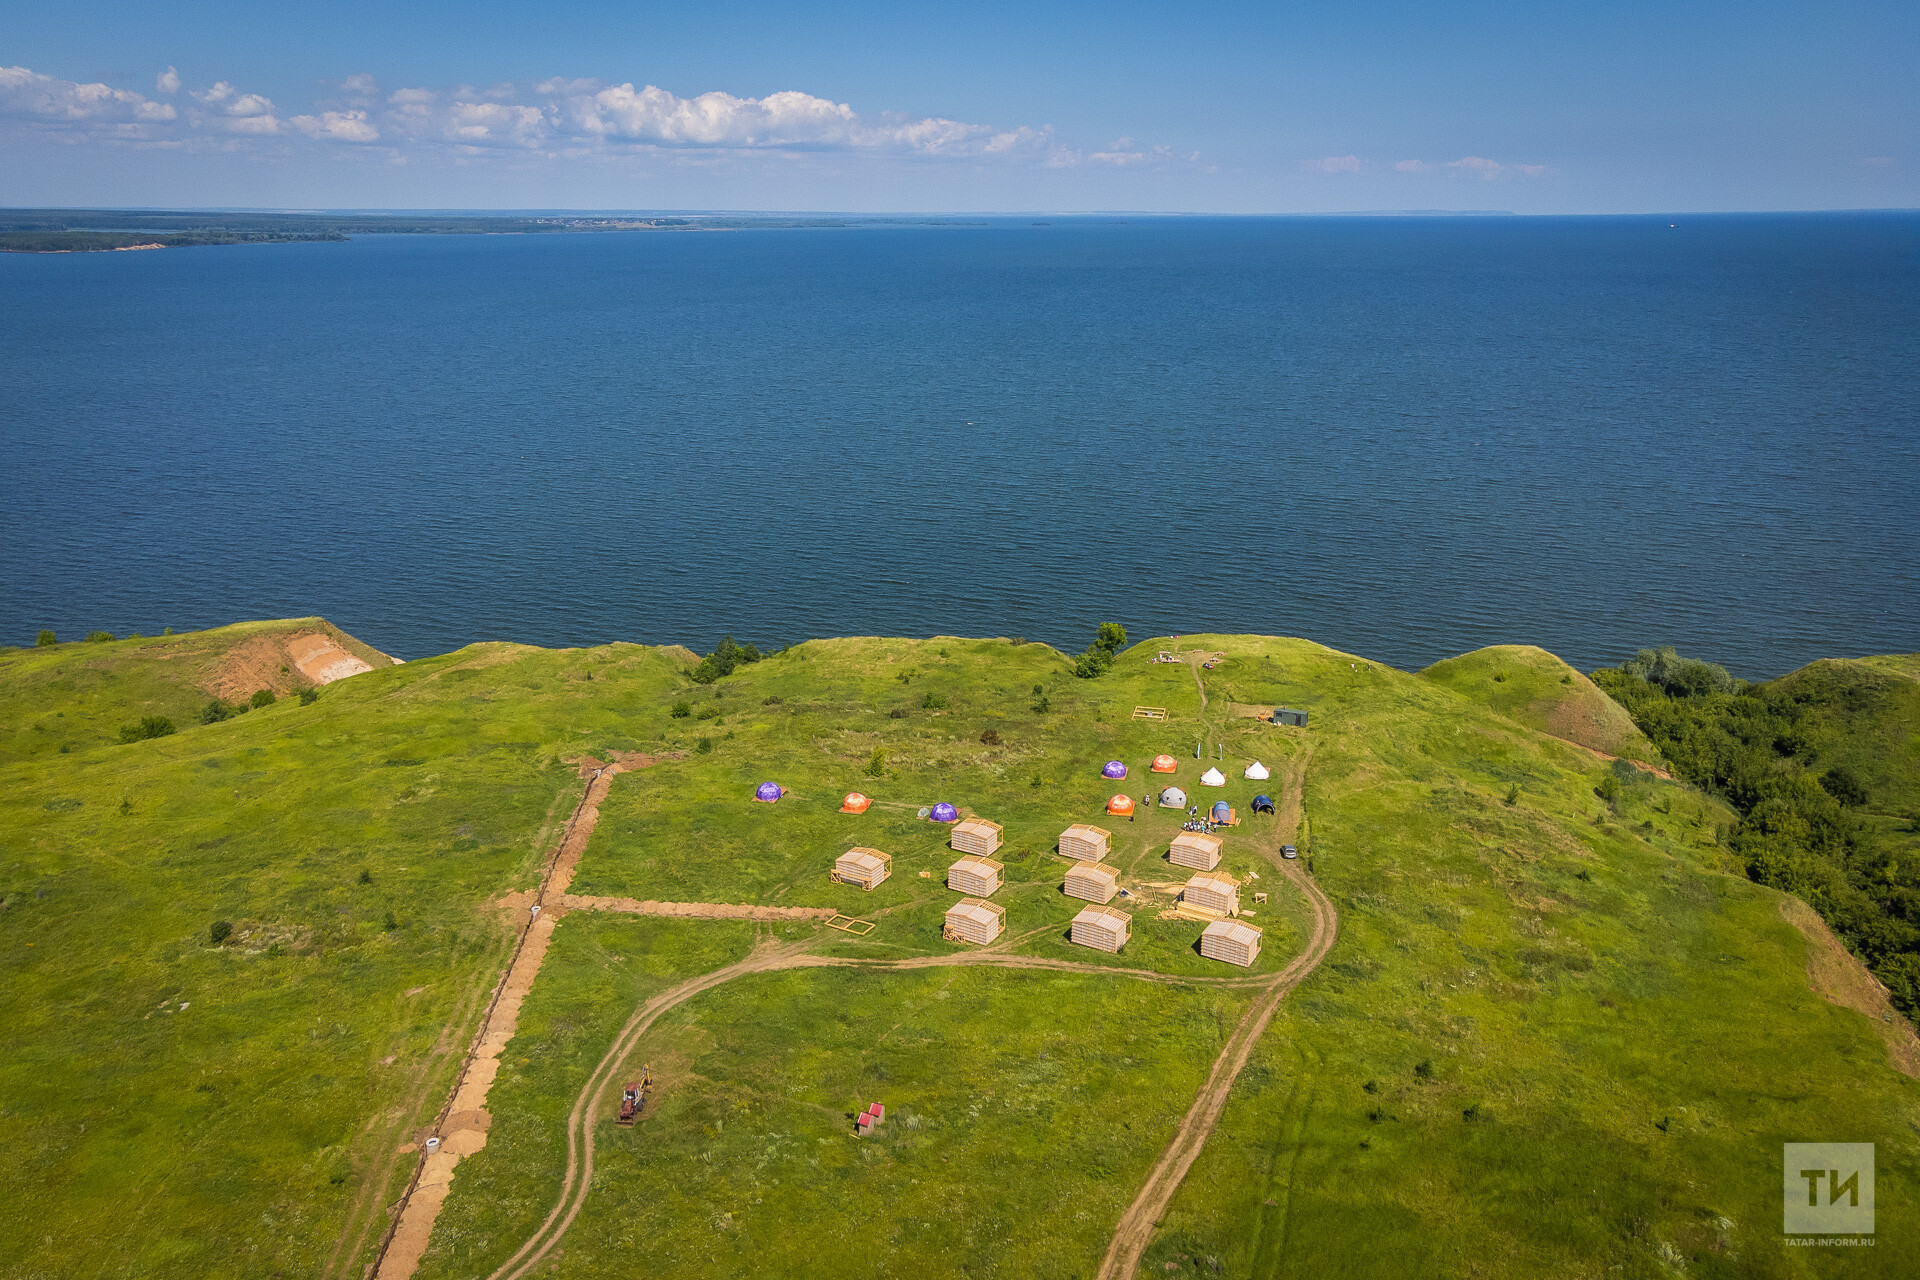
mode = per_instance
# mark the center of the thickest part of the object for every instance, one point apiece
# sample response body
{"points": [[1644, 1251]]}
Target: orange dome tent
{"points": [[854, 803], [1165, 764], [1121, 806]]}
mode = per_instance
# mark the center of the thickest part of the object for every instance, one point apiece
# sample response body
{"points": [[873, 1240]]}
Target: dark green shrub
{"points": [[877, 764], [262, 698], [366, 876], [309, 696], [1840, 783], [934, 702], [46, 640], [991, 737], [219, 931], [703, 747], [1472, 1114], [681, 710], [148, 727], [722, 661], [772, 702], [1513, 794], [214, 712], [1424, 1069]]}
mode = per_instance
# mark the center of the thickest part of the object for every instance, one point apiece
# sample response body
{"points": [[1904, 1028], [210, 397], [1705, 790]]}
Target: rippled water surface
{"points": [[1401, 437]]}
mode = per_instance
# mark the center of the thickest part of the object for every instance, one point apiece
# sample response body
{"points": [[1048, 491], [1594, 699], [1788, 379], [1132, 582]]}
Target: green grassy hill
{"points": [[1531, 686], [1557, 1034], [67, 697], [1870, 722]]}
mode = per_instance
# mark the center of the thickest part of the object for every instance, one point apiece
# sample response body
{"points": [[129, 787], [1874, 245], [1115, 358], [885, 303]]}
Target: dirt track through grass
{"points": [[413, 1218]]}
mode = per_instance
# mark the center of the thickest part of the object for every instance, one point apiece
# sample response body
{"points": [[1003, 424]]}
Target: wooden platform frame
{"points": [[1149, 713], [847, 924]]}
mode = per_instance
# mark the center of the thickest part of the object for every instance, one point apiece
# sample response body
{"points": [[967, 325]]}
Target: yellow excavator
{"points": [[633, 1098]]}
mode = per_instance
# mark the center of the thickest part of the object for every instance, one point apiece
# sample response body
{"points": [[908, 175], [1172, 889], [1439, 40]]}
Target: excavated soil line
{"points": [[692, 910], [463, 1123]]}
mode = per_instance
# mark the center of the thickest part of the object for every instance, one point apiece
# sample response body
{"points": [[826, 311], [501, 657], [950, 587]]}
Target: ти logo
{"points": [[1829, 1187]]}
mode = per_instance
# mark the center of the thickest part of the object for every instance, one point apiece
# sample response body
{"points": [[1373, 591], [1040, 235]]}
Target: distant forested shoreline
{"points": [[96, 230]]}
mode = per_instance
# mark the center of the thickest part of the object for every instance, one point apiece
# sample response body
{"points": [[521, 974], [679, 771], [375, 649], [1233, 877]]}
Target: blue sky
{"points": [[1274, 108]]}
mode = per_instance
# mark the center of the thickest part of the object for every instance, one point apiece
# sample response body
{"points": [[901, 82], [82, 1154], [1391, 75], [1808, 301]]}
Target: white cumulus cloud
{"points": [[228, 109], [337, 126], [49, 101], [167, 81], [1337, 164]]}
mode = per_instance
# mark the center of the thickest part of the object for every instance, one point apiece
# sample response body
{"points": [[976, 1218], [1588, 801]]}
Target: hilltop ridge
{"points": [[1544, 971]]}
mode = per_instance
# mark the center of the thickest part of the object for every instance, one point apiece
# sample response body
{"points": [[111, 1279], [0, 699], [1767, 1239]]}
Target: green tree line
{"points": [[1785, 755]]}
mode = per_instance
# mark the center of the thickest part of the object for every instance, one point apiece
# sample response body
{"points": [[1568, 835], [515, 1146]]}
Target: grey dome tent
{"points": [[1173, 798]]}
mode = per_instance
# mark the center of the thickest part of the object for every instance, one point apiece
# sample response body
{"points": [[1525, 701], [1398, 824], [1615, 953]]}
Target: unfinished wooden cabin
{"points": [[1088, 844], [1213, 891], [1092, 882], [1233, 941], [976, 836], [863, 867], [977, 876], [1196, 850], [1101, 928], [973, 920]]}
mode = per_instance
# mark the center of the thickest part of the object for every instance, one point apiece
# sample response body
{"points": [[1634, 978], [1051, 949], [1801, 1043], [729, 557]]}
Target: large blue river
{"points": [[1404, 437]]}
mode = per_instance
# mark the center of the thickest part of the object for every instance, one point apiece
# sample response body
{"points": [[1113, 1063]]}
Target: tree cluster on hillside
{"points": [[722, 661], [1098, 657], [1772, 751]]}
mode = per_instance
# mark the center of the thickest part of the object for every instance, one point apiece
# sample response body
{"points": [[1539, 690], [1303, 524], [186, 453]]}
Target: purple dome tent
{"points": [[1221, 811], [944, 812], [769, 792], [1114, 769]]}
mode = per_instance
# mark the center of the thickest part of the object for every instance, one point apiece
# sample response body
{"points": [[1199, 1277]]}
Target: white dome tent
{"points": [[1213, 778], [1258, 772]]}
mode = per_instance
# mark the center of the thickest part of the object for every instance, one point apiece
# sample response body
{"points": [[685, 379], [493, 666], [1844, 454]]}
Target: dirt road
{"points": [[1136, 1227], [1131, 1237], [767, 956]]}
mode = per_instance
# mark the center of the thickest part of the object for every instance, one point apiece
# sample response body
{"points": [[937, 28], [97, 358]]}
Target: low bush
{"points": [[99, 637], [219, 931], [934, 702], [262, 698], [309, 696], [214, 712], [147, 727], [681, 710], [46, 640], [991, 737]]}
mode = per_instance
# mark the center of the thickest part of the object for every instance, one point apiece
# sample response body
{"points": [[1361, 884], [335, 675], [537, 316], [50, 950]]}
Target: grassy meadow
{"points": [[1616, 1031]]}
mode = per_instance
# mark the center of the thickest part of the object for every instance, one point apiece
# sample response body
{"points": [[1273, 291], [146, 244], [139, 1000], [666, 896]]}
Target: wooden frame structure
{"points": [[1213, 891], [973, 920], [1085, 843], [863, 868], [974, 876], [1101, 928], [976, 836], [1194, 850], [1092, 882], [847, 924], [1149, 713], [1231, 941]]}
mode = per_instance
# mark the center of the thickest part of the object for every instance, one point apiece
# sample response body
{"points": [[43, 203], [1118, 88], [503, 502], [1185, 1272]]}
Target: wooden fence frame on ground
{"points": [[846, 925], [1149, 713]]}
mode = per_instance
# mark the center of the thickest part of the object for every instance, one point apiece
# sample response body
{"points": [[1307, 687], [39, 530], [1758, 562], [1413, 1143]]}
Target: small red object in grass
{"points": [[865, 1122], [878, 1111]]}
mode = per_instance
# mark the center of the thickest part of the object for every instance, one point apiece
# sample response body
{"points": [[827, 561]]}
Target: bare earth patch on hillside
{"points": [[1837, 976], [281, 663]]}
